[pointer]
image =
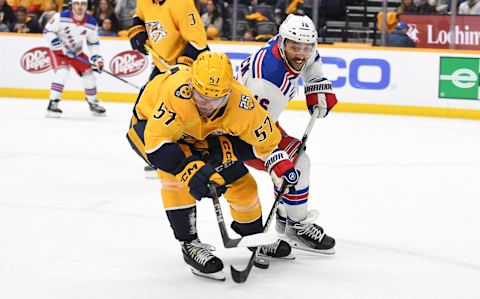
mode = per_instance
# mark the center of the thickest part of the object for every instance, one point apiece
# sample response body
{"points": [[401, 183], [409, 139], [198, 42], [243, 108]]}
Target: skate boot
{"points": [[150, 172], [306, 235], [52, 110], [202, 262], [96, 109]]}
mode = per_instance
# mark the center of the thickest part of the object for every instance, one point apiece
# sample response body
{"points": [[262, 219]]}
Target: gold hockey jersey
{"points": [[172, 115], [170, 25]]}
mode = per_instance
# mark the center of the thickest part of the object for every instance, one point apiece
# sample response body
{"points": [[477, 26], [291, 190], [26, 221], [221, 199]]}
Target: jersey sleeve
{"points": [[190, 24], [139, 10], [313, 69], [269, 96], [257, 127], [163, 126], [93, 43], [51, 30]]}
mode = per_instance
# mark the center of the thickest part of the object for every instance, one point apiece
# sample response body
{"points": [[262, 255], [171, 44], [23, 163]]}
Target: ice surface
{"points": [[78, 219]]}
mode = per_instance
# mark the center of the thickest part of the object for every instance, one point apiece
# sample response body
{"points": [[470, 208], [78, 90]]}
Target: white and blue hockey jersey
{"points": [[271, 80], [63, 32]]}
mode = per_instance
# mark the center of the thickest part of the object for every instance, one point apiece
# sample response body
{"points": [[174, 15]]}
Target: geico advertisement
{"points": [[373, 76]]}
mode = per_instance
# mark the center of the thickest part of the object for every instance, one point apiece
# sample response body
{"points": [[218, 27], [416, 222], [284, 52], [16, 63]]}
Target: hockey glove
{"points": [[197, 176], [319, 93], [138, 35], [280, 167], [97, 63]]}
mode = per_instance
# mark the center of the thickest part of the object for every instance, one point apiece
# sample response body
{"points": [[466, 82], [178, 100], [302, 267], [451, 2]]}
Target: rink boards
{"points": [[429, 82]]}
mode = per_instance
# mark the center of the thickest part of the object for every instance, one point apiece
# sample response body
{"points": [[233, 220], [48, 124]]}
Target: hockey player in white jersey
{"points": [[272, 74], [66, 33]]}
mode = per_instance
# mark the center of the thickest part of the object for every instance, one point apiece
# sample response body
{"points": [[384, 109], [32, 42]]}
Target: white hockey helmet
{"points": [[80, 1], [299, 29]]}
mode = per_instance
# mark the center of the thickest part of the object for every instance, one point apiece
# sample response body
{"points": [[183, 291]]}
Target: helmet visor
{"points": [[297, 48], [207, 105]]}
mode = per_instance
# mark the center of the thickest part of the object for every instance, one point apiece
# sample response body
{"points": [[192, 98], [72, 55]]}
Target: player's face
{"points": [[207, 105], [298, 53], [79, 8]]}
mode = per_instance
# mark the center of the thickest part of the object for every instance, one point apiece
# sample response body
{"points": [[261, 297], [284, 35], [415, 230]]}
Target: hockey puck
{"points": [[261, 263]]}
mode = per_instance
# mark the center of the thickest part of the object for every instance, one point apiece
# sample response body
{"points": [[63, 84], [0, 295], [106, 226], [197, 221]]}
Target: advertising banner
{"points": [[433, 31], [360, 75]]}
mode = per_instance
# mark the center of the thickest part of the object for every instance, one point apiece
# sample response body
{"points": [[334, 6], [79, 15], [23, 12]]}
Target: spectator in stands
{"points": [[425, 7], [23, 23], [469, 7], [212, 20], [249, 35], [106, 29], [32, 6], [125, 9], [442, 6], [103, 11], [406, 6], [49, 8], [7, 17], [399, 37]]}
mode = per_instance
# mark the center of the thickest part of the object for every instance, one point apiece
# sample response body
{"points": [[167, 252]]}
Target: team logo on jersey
{"points": [[128, 63], [184, 92], [156, 32], [246, 102], [36, 60]]}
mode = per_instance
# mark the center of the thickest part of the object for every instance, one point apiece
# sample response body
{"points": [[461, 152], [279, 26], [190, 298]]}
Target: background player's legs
{"points": [[60, 77], [90, 85]]}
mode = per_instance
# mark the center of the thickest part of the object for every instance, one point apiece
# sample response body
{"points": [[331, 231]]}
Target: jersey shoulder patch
{"points": [[246, 102], [184, 91]]}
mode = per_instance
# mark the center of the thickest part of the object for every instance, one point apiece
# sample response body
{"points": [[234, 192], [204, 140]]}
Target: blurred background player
{"points": [[272, 74], [177, 111], [66, 32], [173, 29]]}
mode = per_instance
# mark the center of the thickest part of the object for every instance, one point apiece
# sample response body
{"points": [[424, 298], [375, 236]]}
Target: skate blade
{"points": [[219, 276], [53, 114], [289, 257], [298, 246]]}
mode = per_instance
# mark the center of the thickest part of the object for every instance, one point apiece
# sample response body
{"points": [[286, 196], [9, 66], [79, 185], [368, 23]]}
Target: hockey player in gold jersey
{"points": [[173, 29], [179, 114]]}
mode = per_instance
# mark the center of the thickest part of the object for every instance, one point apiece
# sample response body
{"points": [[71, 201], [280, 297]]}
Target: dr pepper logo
{"points": [[36, 60], [128, 63]]}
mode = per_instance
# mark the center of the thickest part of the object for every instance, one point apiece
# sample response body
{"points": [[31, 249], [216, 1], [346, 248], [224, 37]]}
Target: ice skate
{"points": [[277, 250], [96, 109], [202, 262], [150, 172], [52, 110], [306, 235]]}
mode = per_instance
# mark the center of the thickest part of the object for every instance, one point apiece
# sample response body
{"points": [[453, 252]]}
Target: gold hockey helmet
{"points": [[212, 74]]}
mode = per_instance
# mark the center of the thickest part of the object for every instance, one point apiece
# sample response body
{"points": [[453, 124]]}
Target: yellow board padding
{"points": [[292, 105]]}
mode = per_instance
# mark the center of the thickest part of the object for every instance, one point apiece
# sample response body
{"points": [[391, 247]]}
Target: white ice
{"points": [[79, 220]]}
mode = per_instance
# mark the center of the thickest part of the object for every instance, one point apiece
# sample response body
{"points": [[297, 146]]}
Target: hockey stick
{"points": [[105, 71], [241, 276], [156, 56], [247, 241]]}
